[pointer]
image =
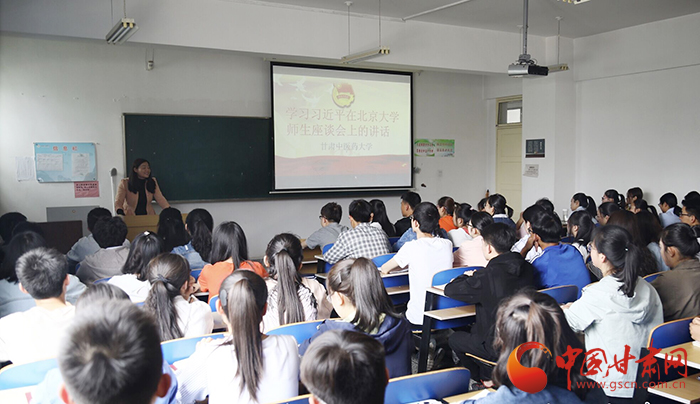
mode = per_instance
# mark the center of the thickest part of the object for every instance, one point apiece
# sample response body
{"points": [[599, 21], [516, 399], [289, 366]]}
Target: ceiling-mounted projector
{"points": [[523, 70]]}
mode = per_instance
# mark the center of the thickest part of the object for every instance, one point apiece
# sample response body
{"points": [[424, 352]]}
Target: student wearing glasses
{"points": [[331, 213], [469, 253]]}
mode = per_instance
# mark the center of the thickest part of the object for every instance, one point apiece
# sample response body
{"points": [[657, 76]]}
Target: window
{"points": [[510, 112]]}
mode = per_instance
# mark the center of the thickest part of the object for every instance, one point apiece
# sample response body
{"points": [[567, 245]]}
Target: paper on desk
{"points": [[25, 168], [696, 344]]}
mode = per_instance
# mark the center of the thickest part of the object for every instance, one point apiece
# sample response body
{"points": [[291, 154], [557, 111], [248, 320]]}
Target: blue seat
{"points": [[443, 278], [650, 278], [562, 294], [382, 259], [393, 240], [212, 303], [300, 331], [670, 333], [323, 266], [196, 274], [26, 374], [182, 348], [424, 386]]}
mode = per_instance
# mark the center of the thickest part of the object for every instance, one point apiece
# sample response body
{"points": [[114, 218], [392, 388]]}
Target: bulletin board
{"points": [[65, 162]]}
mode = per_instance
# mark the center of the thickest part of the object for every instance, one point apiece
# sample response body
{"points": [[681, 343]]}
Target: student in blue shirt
{"points": [[560, 264]]}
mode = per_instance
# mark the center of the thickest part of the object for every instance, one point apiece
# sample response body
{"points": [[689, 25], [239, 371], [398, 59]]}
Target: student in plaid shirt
{"points": [[363, 240]]}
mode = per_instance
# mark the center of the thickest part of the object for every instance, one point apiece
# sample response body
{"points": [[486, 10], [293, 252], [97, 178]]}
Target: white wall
{"points": [[77, 90]]}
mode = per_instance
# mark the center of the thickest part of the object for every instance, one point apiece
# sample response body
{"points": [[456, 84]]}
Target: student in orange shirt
{"points": [[446, 207]]}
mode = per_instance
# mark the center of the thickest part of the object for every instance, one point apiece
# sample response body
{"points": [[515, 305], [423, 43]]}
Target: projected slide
{"points": [[341, 128]]}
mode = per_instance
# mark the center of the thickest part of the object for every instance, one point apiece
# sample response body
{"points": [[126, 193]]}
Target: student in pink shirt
{"points": [[469, 253]]}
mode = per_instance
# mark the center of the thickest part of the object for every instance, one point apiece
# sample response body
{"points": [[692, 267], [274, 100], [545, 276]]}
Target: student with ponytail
{"points": [[621, 309], [291, 298], [640, 205], [199, 225], [177, 313], [446, 207], [134, 278], [246, 366], [613, 196], [605, 210], [496, 206], [581, 201], [172, 229], [359, 297], [462, 216], [670, 211], [632, 195], [580, 226], [678, 288]]}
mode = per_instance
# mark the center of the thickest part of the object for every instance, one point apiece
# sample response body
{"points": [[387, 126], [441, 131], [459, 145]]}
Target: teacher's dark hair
{"points": [[134, 180]]}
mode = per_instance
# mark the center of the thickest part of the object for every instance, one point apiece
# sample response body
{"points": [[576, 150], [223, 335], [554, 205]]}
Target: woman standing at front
{"points": [[136, 193]]}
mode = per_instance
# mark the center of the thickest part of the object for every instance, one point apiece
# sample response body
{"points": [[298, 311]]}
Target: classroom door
{"points": [[508, 163]]}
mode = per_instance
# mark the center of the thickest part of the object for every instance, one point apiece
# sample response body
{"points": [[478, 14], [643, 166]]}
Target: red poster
{"points": [[87, 189]]}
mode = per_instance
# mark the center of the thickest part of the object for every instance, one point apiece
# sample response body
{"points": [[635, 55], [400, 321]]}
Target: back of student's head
{"points": [[345, 367], [635, 192], [360, 210], [284, 254], [379, 215], [360, 281], [530, 316], [200, 225], [111, 355], [20, 244], [625, 257], [243, 296], [530, 212], [229, 241], [546, 204], [628, 221], [411, 198], [172, 228], [428, 217], [8, 221], [585, 202], [448, 203], [649, 227], [144, 248], [608, 208], [669, 198], [691, 197], [643, 206], [110, 232], [463, 212], [482, 204], [480, 220], [42, 272], [617, 199], [499, 204], [583, 221], [681, 236], [96, 214], [99, 292], [167, 273], [332, 212], [500, 236], [547, 226]]}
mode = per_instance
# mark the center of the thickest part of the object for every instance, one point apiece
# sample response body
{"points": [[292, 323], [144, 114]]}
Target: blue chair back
{"points": [[395, 280], [393, 240], [424, 386], [182, 348], [27, 374], [382, 259], [563, 294], [196, 274], [324, 250], [444, 277], [650, 278], [671, 333], [212, 303], [102, 280], [300, 331]]}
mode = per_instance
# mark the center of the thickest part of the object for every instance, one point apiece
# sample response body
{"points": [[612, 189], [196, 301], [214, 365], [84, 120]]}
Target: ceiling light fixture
{"points": [[121, 32], [368, 54], [559, 67], [574, 1]]}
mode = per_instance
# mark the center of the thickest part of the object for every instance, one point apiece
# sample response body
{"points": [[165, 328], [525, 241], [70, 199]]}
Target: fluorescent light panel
{"points": [[122, 31], [362, 56]]}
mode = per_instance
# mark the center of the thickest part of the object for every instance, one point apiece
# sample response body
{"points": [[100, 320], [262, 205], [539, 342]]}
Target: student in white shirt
{"points": [[580, 227], [581, 201], [35, 334], [177, 313], [525, 246], [246, 366], [670, 211], [423, 257], [462, 215], [134, 278]]}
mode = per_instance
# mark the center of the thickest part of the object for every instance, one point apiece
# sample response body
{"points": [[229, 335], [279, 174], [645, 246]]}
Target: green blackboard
{"points": [[198, 158]]}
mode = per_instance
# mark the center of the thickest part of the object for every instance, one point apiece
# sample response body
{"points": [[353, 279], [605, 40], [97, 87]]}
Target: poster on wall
{"points": [[65, 162], [444, 147], [423, 148], [434, 148], [534, 148]]}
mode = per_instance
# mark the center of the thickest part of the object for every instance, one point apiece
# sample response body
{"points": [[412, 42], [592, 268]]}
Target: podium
{"points": [[139, 224]]}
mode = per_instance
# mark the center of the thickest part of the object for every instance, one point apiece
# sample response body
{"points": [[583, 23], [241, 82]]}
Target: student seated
{"points": [[363, 240], [605, 210], [12, 299], [103, 293], [360, 299], [583, 202], [535, 317], [632, 195], [628, 221], [87, 244], [291, 298], [580, 227], [331, 214], [110, 234], [35, 334], [246, 365], [112, 355], [409, 201], [345, 367], [229, 251], [650, 234], [524, 246], [178, 314], [446, 207], [619, 310], [496, 206], [423, 257], [690, 215], [560, 264], [199, 225], [611, 195], [506, 273], [678, 288], [469, 253], [462, 215], [380, 219], [670, 211], [8, 221], [171, 229], [134, 278]]}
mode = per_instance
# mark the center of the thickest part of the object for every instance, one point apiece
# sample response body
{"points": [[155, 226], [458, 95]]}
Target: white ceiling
{"points": [[593, 17]]}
